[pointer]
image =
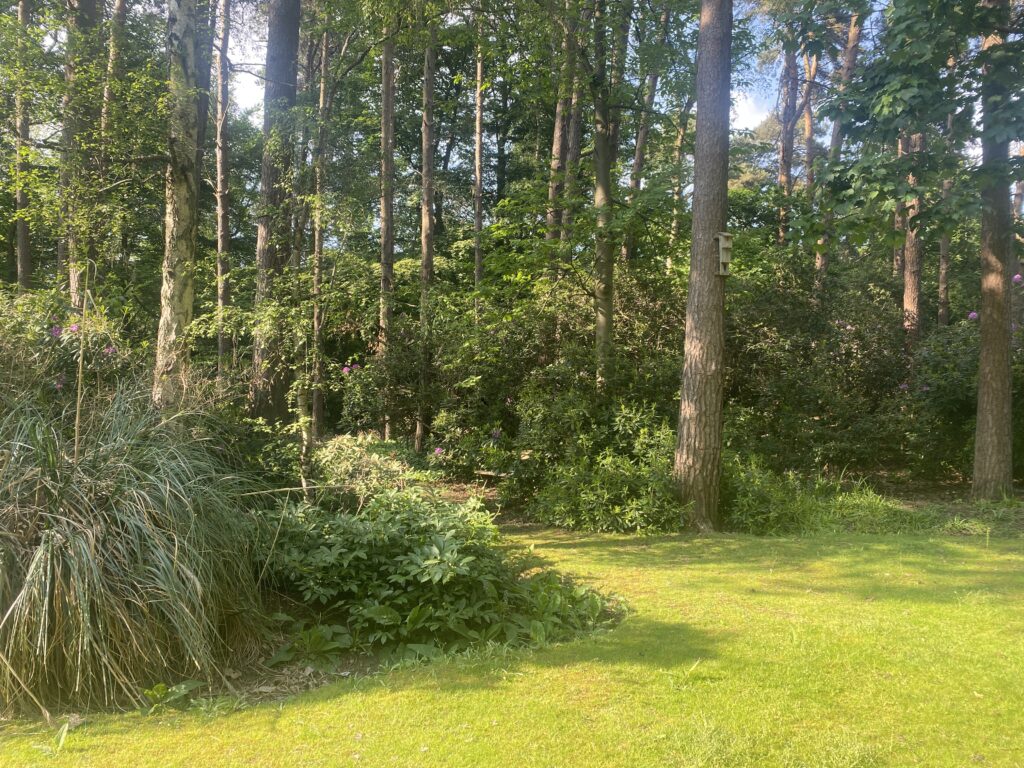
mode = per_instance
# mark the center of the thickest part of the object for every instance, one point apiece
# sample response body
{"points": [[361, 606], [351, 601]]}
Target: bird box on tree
{"points": [[724, 252]]}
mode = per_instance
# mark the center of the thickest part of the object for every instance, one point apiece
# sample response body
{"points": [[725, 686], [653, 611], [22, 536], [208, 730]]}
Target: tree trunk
{"points": [[993, 442], [604, 254], [677, 179], [273, 234], [835, 148], [642, 130], [223, 192], [572, 159], [559, 142], [899, 221], [944, 250], [426, 237], [620, 53], [501, 150], [387, 207], [698, 454], [810, 75], [115, 52], [23, 245], [80, 121], [787, 136], [912, 250], [181, 218], [478, 167]]}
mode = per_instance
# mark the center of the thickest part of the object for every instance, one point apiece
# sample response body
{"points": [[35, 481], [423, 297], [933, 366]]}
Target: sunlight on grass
{"points": [[853, 651]]}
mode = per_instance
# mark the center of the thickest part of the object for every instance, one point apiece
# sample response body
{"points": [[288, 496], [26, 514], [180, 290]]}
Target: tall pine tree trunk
{"points": [[426, 238], [273, 234], [642, 130], [787, 135], [604, 253], [223, 191], [23, 245], [698, 455], [387, 209], [993, 441], [181, 217], [912, 252], [559, 142]]}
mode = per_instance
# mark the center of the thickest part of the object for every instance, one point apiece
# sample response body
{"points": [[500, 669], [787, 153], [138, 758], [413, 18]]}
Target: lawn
{"points": [[851, 651]]}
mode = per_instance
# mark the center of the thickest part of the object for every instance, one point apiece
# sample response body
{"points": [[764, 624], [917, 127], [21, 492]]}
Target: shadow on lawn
{"points": [[902, 568]]}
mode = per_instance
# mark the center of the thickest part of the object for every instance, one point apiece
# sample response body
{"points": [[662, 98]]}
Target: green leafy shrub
{"points": [[419, 575], [124, 554], [361, 466]]}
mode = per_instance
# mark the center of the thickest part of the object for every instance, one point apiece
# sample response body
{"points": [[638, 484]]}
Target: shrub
{"points": [[361, 466], [124, 556], [419, 575]]}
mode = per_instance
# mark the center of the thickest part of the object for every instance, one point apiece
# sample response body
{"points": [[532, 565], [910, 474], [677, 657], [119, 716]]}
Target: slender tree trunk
{"points": [[810, 75], [698, 454], [115, 52], [912, 250], [677, 179], [604, 254], [273, 234], [835, 148], [787, 136], [572, 159], [224, 352], [620, 53], [80, 121], [559, 142], [426, 237], [181, 219], [642, 130], [23, 245], [387, 208], [899, 221], [944, 251], [501, 140], [478, 168], [993, 442]]}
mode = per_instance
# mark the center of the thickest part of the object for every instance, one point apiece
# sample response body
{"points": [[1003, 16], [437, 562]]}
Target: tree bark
{"points": [[811, 76], [604, 255], [677, 179], [23, 246], [572, 159], [899, 221], [993, 442], [273, 235], [478, 167], [426, 236], [642, 131], [223, 192], [912, 250], [559, 142], [181, 218], [944, 251], [387, 207], [115, 52], [80, 122], [787, 135], [697, 465]]}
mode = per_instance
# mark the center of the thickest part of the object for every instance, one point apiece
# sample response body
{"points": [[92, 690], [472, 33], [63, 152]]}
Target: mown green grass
{"points": [[852, 651]]}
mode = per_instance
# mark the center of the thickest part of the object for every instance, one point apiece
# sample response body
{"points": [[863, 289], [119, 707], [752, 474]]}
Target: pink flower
{"points": [[56, 331], [438, 451], [1018, 279], [972, 315], [346, 369], [73, 328], [109, 350]]}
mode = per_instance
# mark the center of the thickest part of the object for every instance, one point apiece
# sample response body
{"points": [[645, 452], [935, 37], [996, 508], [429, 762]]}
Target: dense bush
{"points": [[360, 466], [419, 575], [124, 552]]}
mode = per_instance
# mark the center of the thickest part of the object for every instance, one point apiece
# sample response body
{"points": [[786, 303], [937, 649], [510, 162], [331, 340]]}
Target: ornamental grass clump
{"points": [[124, 552]]}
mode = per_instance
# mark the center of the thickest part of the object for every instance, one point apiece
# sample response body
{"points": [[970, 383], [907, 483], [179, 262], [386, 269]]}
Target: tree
{"points": [[21, 141], [604, 160], [223, 187], [426, 234], [697, 464], [181, 217], [993, 442], [387, 204], [912, 251], [273, 237]]}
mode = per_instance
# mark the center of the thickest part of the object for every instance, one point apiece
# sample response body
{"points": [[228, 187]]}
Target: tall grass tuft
{"points": [[128, 566]]}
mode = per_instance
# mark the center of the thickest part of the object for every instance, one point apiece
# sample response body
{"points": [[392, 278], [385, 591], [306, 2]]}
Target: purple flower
{"points": [[346, 369], [56, 331], [904, 387], [972, 315], [1018, 279], [73, 328], [496, 434], [438, 451], [925, 388], [109, 350], [356, 367], [58, 385]]}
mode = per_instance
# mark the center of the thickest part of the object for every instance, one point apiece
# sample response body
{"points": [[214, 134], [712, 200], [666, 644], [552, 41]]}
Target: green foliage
{"points": [[361, 466], [417, 575], [162, 697]]}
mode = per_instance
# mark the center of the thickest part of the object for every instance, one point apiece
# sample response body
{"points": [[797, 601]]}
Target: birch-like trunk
{"points": [[181, 216]]}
